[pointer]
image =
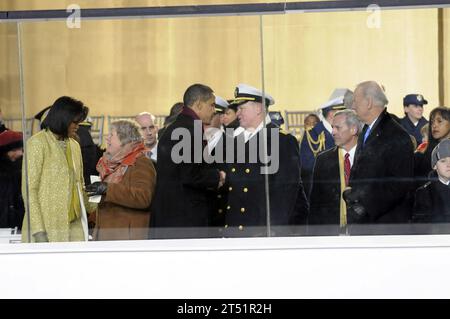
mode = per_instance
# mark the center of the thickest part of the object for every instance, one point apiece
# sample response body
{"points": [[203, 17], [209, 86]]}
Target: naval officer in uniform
{"points": [[263, 199]]}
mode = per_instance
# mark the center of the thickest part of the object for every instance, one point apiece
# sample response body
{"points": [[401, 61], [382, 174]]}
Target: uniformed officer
{"points": [[414, 120], [320, 138], [229, 119], [214, 130], [276, 118], [251, 206]]}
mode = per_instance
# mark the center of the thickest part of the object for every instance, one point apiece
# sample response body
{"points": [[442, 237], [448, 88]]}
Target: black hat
{"points": [[245, 93], [416, 99]]}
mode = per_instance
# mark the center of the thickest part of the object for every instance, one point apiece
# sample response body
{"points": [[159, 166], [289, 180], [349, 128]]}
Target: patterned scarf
{"points": [[113, 168]]}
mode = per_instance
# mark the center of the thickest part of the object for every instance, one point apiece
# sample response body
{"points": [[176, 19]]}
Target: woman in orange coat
{"points": [[128, 183]]}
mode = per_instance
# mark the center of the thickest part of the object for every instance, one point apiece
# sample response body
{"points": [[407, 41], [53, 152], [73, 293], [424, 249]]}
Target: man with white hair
{"points": [[252, 202], [149, 131], [382, 173]]}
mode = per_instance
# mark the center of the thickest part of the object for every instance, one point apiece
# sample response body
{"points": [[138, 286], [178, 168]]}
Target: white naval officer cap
{"points": [[245, 93], [337, 100], [221, 104]]}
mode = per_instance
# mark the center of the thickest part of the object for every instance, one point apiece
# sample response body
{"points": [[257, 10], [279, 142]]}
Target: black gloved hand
{"points": [[40, 237], [355, 210], [96, 188]]}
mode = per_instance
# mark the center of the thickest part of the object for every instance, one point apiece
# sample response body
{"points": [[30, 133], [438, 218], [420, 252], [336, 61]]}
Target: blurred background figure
{"points": [[276, 118], [175, 110], [214, 130], [11, 202], [414, 120], [57, 205], [310, 121], [2, 125], [432, 201], [229, 118], [149, 131], [439, 129], [424, 132], [127, 184]]}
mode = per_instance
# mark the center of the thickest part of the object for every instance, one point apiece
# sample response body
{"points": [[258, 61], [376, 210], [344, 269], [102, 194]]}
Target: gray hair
{"points": [[127, 131], [351, 119], [146, 114], [375, 91]]}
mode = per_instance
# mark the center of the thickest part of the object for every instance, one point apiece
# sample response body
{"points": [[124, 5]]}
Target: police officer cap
{"points": [[416, 99], [442, 150], [221, 105], [244, 93]]}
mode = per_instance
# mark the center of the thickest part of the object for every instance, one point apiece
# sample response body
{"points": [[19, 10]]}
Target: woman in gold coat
{"points": [[53, 176]]}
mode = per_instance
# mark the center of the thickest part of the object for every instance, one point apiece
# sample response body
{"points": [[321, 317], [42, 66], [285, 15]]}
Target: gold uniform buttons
{"points": [[242, 210], [247, 170], [230, 188], [233, 170], [245, 189], [226, 226], [241, 227], [220, 211], [219, 196], [228, 207]]}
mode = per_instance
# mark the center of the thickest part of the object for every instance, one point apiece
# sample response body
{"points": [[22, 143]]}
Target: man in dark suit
{"points": [[319, 138], [381, 177], [180, 206], [331, 174], [265, 197]]}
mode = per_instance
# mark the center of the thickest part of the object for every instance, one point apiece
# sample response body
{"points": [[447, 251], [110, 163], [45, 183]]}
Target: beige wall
{"points": [[9, 70], [121, 67], [447, 57], [308, 55]]}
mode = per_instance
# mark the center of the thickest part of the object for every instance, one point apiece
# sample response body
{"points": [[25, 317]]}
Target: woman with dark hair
{"points": [[11, 203], [439, 129], [57, 210]]}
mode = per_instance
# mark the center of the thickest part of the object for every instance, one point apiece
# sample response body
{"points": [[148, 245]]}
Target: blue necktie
{"points": [[366, 135]]}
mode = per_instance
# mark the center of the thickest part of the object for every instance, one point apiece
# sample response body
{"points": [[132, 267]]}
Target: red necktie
{"points": [[347, 168]]}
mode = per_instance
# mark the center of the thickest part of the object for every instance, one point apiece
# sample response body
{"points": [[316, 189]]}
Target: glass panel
{"points": [[120, 68], [11, 203], [308, 57]]}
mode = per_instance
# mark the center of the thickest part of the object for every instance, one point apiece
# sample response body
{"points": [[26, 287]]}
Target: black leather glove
{"points": [[96, 188], [40, 237], [355, 210]]}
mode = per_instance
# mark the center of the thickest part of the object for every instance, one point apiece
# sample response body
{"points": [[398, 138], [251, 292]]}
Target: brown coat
{"points": [[124, 212]]}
